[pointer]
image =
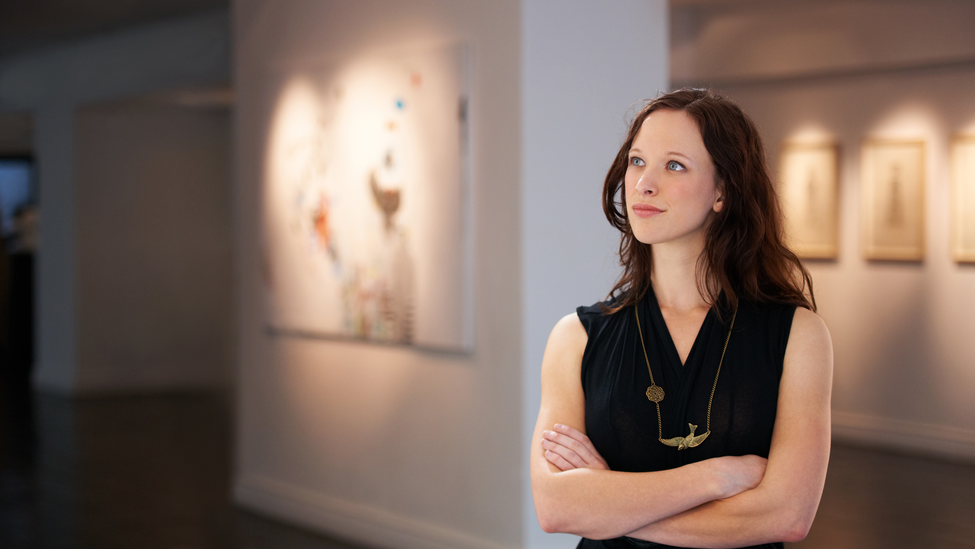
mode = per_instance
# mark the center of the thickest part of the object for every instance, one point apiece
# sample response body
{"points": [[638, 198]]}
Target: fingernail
{"points": [[558, 425]]}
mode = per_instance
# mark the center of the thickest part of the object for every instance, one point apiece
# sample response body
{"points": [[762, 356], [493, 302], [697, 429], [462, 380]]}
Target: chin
{"points": [[644, 238], [649, 237]]}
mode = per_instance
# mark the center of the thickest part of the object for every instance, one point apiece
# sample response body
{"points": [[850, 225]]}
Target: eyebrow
{"points": [[675, 153], [669, 153]]}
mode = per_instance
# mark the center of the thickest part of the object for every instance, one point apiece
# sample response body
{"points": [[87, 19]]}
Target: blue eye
{"points": [[675, 166], [637, 161]]}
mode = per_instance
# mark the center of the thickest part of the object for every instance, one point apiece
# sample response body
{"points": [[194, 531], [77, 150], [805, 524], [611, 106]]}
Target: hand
{"points": [[567, 449], [739, 474]]}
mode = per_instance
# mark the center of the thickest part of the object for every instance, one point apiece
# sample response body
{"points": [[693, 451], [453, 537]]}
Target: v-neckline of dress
{"points": [[696, 354]]}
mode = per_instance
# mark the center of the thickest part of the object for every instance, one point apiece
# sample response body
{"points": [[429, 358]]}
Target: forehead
{"points": [[674, 130]]}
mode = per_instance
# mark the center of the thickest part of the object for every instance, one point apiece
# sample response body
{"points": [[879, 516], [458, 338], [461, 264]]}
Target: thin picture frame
{"points": [[808, 188], [963, 199], [366, 225], [893, 199]]}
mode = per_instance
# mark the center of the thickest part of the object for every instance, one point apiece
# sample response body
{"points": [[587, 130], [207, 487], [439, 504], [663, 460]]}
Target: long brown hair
{"points": [[744, 255]]}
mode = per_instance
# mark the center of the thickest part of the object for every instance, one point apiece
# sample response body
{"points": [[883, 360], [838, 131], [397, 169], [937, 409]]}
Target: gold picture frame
{"points": [[893, 210], [809, 192], [963, 199]]}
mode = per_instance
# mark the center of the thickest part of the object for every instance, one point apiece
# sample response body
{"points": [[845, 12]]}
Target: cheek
{"points": [[629, 181], [706, 192], [691, 194], [629, 191], [700, 197]]}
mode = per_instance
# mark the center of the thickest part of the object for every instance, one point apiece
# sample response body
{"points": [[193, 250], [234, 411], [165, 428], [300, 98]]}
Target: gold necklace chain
{"points": [[656, 393]]}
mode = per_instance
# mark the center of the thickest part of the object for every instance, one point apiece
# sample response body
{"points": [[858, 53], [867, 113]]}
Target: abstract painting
{"points": [[366, 205], [893, 200]]}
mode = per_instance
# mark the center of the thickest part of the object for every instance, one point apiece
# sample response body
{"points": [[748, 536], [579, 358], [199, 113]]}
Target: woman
{"points": [[703, 383]]}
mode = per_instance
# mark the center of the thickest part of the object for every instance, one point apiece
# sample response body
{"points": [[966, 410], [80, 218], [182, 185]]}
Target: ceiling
{"points": [[34, 24]]}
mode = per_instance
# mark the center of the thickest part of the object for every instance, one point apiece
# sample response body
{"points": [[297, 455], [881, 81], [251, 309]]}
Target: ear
{"points": [[719, 199]]}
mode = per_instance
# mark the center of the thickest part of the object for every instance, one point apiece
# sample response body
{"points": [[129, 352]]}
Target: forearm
{"points": [[751, 518], [601, 504]]}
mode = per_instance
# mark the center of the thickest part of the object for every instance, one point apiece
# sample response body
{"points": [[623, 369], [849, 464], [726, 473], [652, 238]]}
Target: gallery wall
{"points": [[406, 447], [50, 85], [153, 191], [901, 330], [386, 445]]}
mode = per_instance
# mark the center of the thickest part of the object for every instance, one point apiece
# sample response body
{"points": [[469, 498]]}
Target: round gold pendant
{"points": [[655, 393]]}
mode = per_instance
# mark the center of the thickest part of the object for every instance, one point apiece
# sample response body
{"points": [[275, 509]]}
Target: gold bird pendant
{"points": [[690, 441]]}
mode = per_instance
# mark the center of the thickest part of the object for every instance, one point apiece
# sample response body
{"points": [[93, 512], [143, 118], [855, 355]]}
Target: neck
{"points": [[674, 277]]}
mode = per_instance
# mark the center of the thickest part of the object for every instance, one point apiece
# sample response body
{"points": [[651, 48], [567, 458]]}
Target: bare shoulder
{"points": [[566, 343], [569, 331], [810, 348], [808, 328]]}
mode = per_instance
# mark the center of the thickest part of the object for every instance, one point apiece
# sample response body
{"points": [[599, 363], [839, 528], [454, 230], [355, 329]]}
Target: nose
{"points": [[646, 184]]}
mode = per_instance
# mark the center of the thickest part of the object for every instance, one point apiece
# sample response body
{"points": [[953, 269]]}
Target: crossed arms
{"points": [[730, 501]]}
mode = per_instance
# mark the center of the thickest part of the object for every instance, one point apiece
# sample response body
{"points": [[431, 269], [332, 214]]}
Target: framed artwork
{"points": [[809, 191], [963, 199], [893, 199], [366, 201]]}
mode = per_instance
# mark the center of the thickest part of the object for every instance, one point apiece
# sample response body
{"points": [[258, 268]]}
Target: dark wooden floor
{"points": [[154, 472], [148, 472]]}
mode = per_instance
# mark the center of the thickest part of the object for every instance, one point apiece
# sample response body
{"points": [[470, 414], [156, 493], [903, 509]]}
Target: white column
{"points": [[584, 64]]}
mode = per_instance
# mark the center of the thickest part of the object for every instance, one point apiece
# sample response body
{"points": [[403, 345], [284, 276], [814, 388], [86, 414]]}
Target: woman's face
{"points": [[670, 184]]}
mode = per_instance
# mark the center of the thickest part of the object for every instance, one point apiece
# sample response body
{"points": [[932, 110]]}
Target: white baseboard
{"points": [[352, 521], [911, 436]]}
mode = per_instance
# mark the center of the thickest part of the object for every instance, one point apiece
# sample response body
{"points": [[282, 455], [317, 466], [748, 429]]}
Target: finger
{"points": [[573, 451], [558, 461], [577, 442], [569, 448], [586, 449], [578, 449], [570, 431], [566, 453]]}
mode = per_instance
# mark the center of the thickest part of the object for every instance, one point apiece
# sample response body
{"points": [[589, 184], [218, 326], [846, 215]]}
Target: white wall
{"points": [[397, 447], [902, 332], [50, 85], [387, 446], [584, 66], [153, 236]]}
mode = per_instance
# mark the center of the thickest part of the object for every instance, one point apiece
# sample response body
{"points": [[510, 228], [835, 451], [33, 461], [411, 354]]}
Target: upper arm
{"points": [[563, 400], [802, 422], [799, 453]]}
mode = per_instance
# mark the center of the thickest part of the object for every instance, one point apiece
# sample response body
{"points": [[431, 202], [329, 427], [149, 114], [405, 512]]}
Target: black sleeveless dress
{"points": [[622, 422]]}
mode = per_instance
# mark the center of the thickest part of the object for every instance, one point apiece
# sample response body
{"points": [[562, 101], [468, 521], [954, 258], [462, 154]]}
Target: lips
{"points": [[646, 210]]}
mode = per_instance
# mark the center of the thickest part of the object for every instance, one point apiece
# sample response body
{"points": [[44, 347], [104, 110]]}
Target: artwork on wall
{"points": [[366, 205], [963, 199], [893, 199], [808, 188]]}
